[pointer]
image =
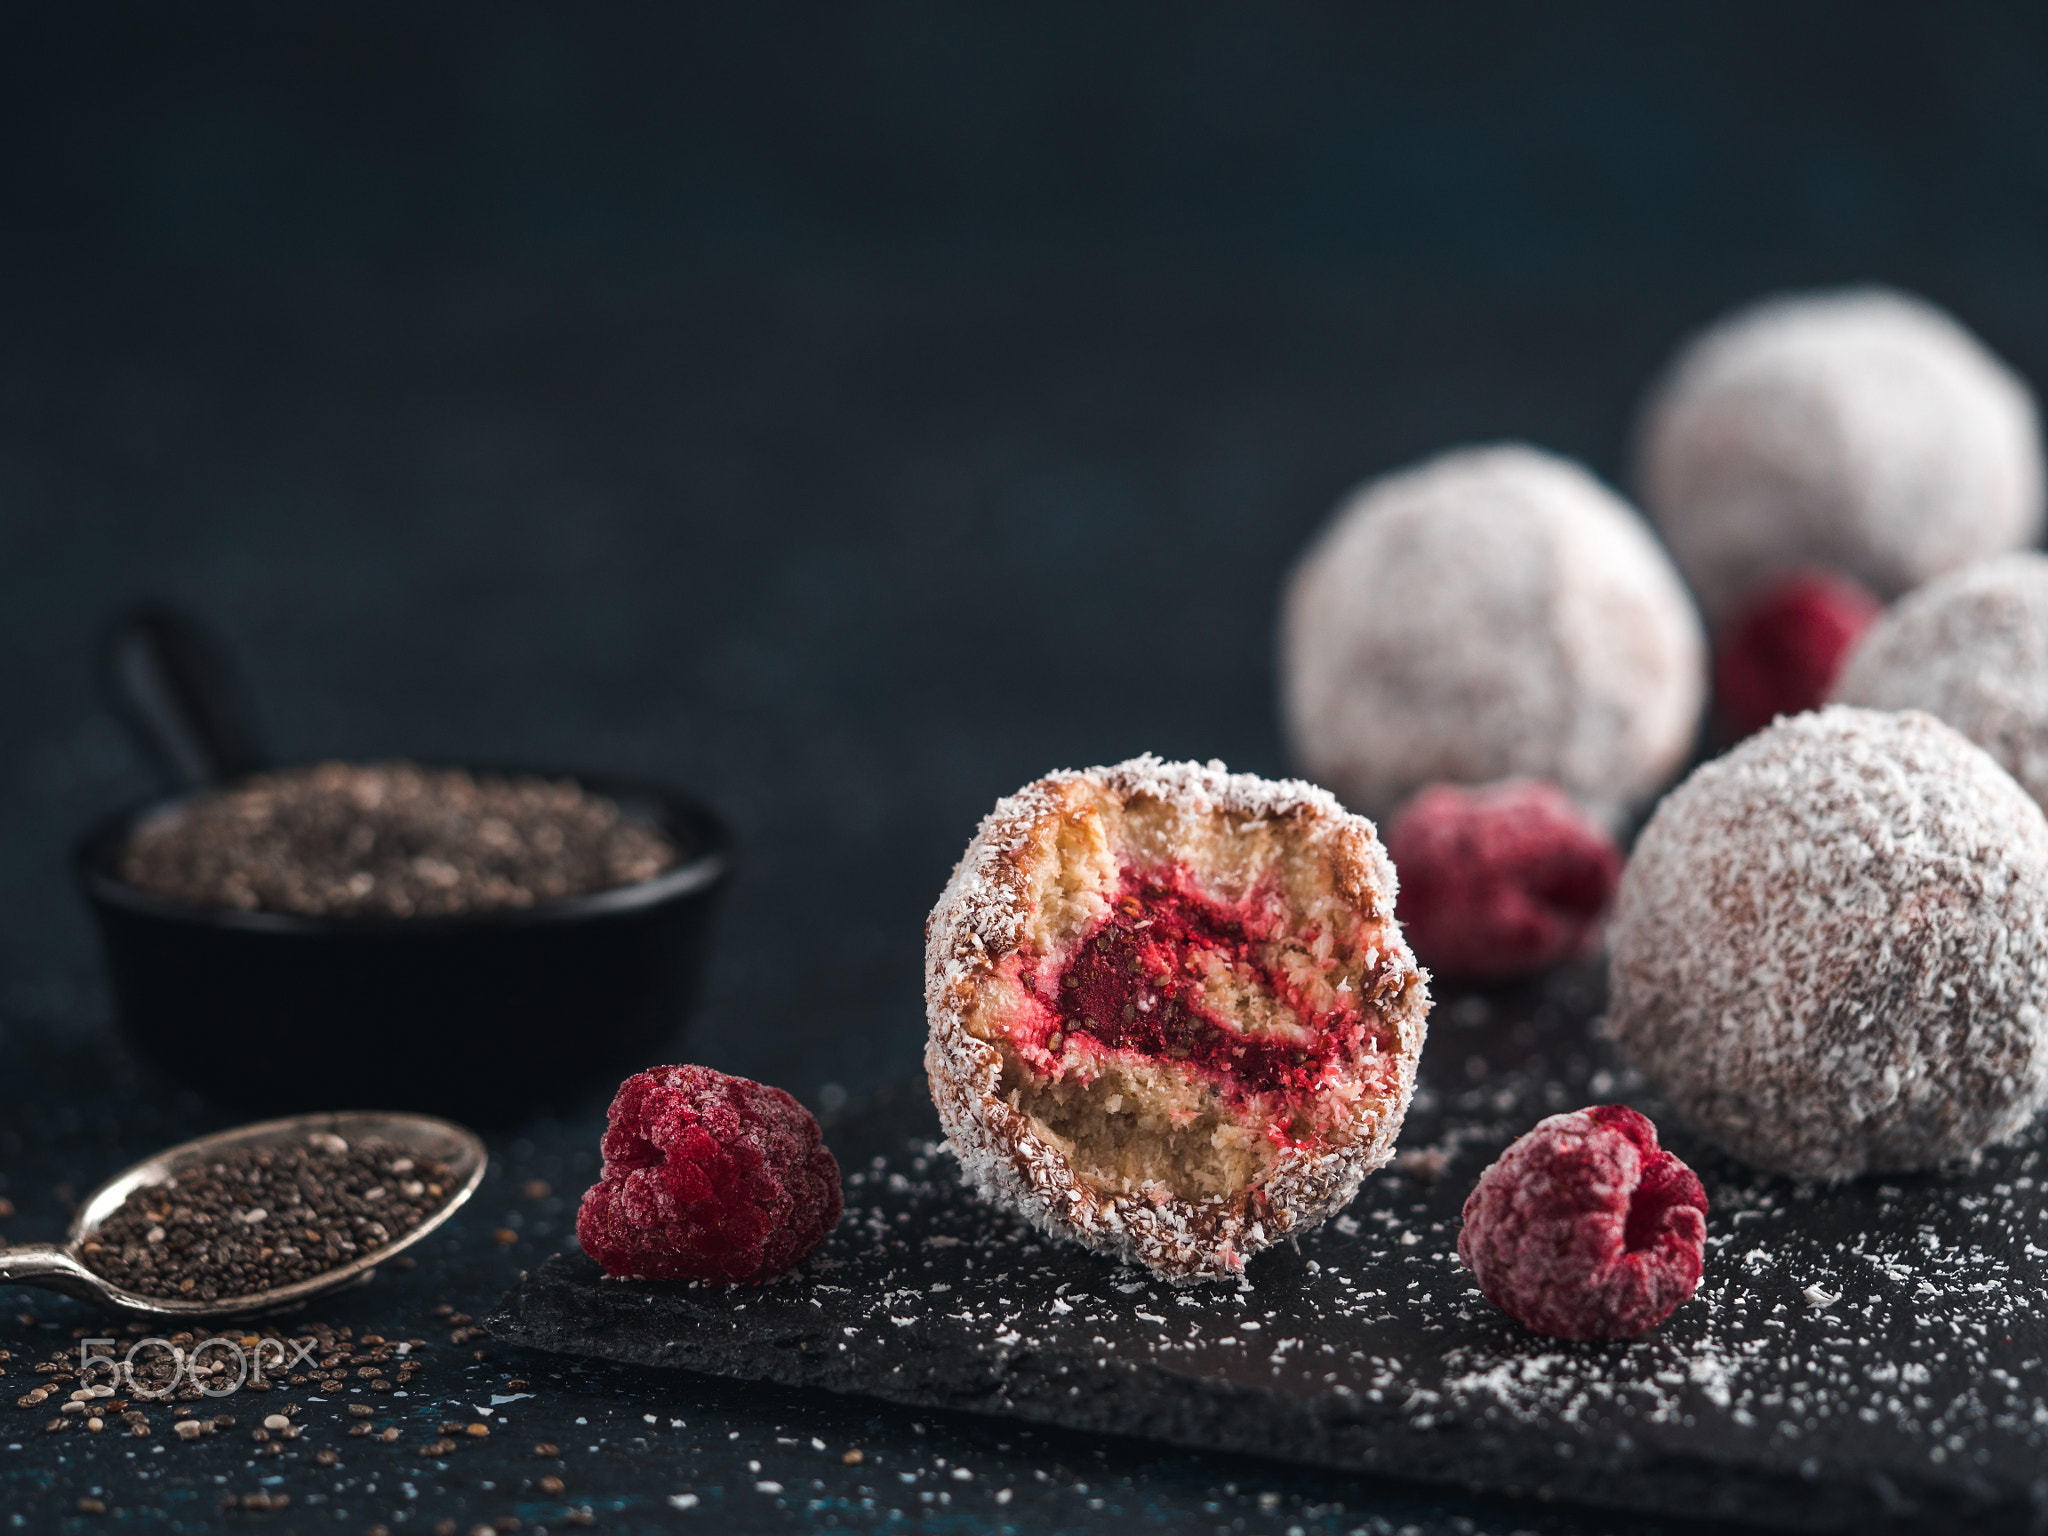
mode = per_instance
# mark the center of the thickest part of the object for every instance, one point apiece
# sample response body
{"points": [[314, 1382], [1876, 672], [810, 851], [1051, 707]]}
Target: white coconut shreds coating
{"points": [[1830, 947], [1493, 613], [1861, 431], [1972, 650], [1175, 1158]]}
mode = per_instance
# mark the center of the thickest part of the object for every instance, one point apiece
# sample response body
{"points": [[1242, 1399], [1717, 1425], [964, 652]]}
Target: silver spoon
{"points": [[56, 1267]]}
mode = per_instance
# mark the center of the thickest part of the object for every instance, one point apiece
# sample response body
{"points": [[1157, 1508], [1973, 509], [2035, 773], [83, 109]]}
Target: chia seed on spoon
{"points": [[260, 1217]]}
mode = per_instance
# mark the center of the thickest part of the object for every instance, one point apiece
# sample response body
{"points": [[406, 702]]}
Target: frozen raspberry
{"points": [[1501, 881], [707, 1177], [1585, 1229], [1781, 653]]}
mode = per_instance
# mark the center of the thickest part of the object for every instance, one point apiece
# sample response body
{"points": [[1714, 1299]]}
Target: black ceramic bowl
{"points": [[482, 1017]]}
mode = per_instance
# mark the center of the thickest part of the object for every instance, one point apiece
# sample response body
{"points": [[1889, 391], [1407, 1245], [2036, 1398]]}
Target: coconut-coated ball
{"points": [[1861, 431], [1830, 948], [1493, 613], [1970, 649]]}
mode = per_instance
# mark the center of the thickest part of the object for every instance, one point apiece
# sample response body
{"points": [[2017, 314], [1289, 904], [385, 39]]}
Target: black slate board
{"points": [[1854, 1358]]}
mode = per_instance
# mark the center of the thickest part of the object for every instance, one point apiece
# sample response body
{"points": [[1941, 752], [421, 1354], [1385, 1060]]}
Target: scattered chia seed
{"points": [[188, 1374], [264, 1216], [392, 840]]}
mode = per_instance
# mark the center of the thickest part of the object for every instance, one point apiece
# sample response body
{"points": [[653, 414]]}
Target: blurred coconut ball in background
{"points": [[1493, 613], [1972, 650], [1862, 432]]}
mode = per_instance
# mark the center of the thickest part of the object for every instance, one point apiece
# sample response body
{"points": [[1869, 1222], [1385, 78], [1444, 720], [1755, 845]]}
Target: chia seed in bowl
{"points": [[391, 840]]}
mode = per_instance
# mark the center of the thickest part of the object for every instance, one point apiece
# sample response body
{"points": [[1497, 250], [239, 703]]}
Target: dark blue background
{"points": [[855, 411], [1560, 147]]}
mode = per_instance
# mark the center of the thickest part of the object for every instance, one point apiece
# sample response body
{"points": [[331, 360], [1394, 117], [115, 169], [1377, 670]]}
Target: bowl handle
{"points": [[174, 684]]}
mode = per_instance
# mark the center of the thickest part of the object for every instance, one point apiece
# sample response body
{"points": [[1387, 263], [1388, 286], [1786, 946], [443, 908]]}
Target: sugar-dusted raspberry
{"points": [[1783, 651], [707, 1177], [1501, 881], [1585, 1228]]}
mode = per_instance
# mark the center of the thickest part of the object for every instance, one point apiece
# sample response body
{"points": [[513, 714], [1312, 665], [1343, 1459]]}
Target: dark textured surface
{"points": [[849, 413], [1906, 1385], [632, 1442], [746, 540]]}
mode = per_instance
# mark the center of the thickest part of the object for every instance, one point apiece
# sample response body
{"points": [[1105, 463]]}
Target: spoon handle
{"points": [[50, 1268], [175, 686]]}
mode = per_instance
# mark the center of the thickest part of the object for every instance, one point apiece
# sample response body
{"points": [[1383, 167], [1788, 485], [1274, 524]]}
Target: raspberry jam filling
{"points": [[1173, 975]]}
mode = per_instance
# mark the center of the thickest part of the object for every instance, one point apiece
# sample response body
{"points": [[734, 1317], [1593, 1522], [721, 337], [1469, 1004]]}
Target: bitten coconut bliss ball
{"points": [[707, 1177], [1496, 613], [1863, 432], [1970, 649], [1830, 948], [1586, 1229], [1172, 1015]]}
